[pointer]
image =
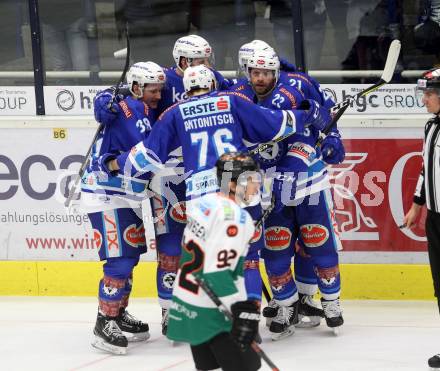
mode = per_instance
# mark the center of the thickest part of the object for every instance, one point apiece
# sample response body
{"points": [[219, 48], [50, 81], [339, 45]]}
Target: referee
{"points": [[428, 186]]}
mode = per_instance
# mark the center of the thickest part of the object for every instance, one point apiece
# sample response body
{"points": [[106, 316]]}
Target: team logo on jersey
{"points": [[178, 212], [232, 231], [168, 280], [257, 234], [97, 239], [272, 154], [135, 236], [302, 151], [314, 235], [328, 276], [277, 238]]}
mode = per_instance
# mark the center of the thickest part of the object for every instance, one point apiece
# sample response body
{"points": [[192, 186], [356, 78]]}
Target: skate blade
{"points": [[337, 330], [133, 338], [308, 322], [98, 343], [282, 335]]}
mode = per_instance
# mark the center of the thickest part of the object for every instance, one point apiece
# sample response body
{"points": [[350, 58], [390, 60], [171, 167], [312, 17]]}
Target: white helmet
{"points": [[247, 50], [143, 73], [191, 46], [198, 77], [266, 60]]}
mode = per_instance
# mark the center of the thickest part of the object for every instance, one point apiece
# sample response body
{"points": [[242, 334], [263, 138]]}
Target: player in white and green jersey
{"points": [[215, 243]]}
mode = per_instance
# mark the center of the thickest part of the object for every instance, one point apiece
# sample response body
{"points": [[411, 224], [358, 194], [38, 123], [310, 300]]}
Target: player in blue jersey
{"points": [[300, 172], [113, 204], [207, 125], [169, 199]]}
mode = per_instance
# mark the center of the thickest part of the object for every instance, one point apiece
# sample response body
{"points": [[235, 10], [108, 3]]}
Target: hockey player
{"points": [[169, 200], [215, 243], [208, 124], [281, 233], [113, 205]]}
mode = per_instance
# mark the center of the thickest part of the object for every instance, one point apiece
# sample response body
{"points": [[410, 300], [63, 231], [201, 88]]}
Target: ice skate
{"points": [[270, 312], [132, 328], [333, 314], [283, 325], [434, 362], [309, 312], [164, 321], [108, 336]]}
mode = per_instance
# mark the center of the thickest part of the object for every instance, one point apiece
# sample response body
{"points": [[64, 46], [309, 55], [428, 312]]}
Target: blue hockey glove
{"points": [[287, 66], [100, 164], [317, 116], [103, 113], [332, 149]]}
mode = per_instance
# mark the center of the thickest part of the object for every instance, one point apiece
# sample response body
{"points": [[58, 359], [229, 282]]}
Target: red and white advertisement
{"points": [[372, 191]]}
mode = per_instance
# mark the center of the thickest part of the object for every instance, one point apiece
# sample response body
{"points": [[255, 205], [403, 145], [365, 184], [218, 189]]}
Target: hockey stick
{"points": [[86, 162], [338, 109], [224, 309], [390, 65]]}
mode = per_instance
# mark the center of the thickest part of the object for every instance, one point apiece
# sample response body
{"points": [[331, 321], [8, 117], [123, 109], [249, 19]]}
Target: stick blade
{"points": [[392, 57]]}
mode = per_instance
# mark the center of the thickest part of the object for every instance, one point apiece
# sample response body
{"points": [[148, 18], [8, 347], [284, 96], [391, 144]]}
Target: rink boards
{"points": [[44, 251]]}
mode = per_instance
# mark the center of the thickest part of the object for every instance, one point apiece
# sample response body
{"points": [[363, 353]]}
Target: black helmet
{"points": [[234, 164], [430, 80]]}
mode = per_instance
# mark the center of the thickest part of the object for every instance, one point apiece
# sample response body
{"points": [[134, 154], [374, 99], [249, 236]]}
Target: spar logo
{"points": [[314, 235], [277, 238], [178, 212], [97, 238], [65, 100], [135, 236]]}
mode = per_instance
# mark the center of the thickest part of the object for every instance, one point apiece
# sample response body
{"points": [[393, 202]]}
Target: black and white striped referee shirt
{"points": [[428, 185]]}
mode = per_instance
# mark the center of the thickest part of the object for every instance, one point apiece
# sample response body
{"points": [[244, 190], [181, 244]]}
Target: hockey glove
{"points": [[244, 323], [287, 66], [332, 149], [100, 164], [104, 113], [317, 116]]}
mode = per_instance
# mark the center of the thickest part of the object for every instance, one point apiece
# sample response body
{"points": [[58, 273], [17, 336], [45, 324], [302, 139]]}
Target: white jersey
{"points": [[215, 243]]}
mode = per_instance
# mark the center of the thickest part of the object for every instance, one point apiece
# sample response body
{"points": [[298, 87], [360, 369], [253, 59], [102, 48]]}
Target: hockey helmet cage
{"points": [[264, 59], [198, 77], [430, 80], [190, 47], [235, 164], [143, 73]]}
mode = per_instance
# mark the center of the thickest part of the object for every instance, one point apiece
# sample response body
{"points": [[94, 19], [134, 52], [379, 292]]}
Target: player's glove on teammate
{"points": [[100, 164], [105, 112], [317, 116], [245, 323], [332, 148]]}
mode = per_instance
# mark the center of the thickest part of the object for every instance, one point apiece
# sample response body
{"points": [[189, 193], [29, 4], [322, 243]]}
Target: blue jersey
{"points": [[174, 91], [206, 127], [132, 124], [307, 85]]}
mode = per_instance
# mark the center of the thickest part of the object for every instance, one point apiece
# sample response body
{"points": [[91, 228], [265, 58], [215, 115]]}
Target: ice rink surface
{"points": [[46, 333]]}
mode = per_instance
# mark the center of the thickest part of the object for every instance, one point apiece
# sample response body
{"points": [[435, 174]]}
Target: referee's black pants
{"points": [[433, 235]]}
